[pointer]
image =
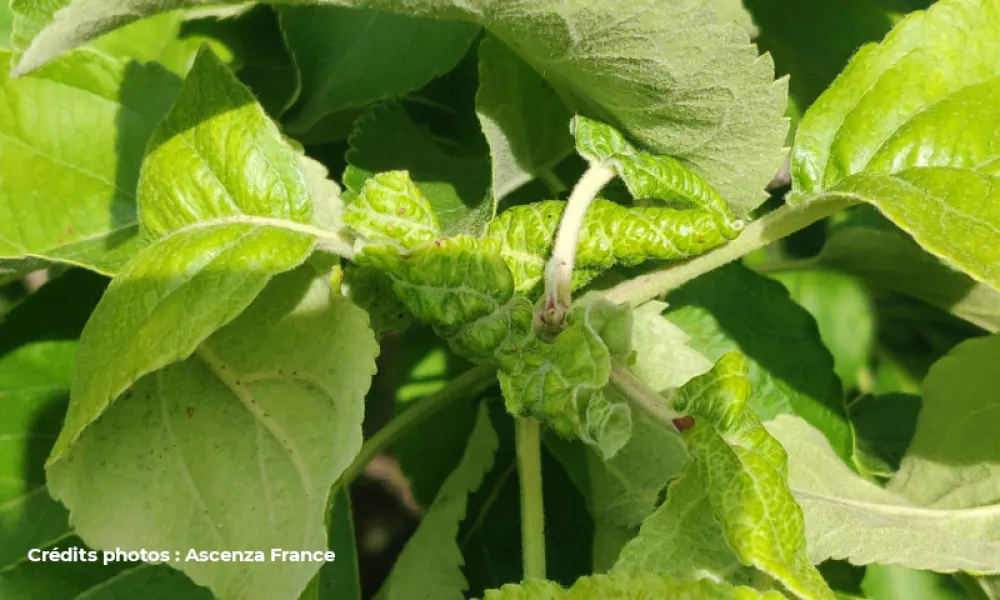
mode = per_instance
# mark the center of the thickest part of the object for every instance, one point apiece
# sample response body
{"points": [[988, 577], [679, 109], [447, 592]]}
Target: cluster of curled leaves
{"points": [[480, 292], [196, 373]]}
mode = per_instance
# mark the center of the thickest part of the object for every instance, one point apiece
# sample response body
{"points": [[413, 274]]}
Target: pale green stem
{"points": [[467, 384], [559, 270], [770, 228], [529, 470], [640, 395]]}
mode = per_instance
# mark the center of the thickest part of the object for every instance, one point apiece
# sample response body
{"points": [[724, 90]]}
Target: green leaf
{"points": [[386, 139], [742, 472], [620, 586], [924, 155], [625, 489], [216, 157], [954, 459], [154, 39], [990, 586], [844, 312], [71, 139], [232, 217], [349, 58], [6, 18], [888, 582], [683, 538], [339, 579], [270, 405], [850, 518], [812, 40], [430, 564], [56, 311], [96, 581], [525, 121], [257, 50], [664, 360], [887, 258], [791, 371], [34, 390], [389, 208], [733, 10], [883, 428], [676, 77]]}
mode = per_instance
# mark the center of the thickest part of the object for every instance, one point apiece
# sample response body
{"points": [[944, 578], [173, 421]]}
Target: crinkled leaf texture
{"points": [[72, 136], [429, 568], [565, 384], [850, 518], [226, 205], [270, 405], [622, 586], [910, 126], [675, 76], [732, 504]]}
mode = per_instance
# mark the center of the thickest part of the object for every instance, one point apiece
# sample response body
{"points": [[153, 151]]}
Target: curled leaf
{"points": [[390, 208], [648, 175], [565, 384], [611, 234], [745, 471]]}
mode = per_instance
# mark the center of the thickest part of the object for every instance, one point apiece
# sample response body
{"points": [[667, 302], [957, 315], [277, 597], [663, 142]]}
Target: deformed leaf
{"points": [[525, 121], [675, 76], [386, 139], [610, 234], [429, 568], [742, 472], [565, 384], [270, 405], [71, 140], [925, 155], [850, 518], [351, 57], [621, 586], [647, 176], [389, 208], [791, 371]]}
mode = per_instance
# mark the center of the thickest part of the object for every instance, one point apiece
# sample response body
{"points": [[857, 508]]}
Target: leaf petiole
{"points": [[559, 269], [641, 396]]}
